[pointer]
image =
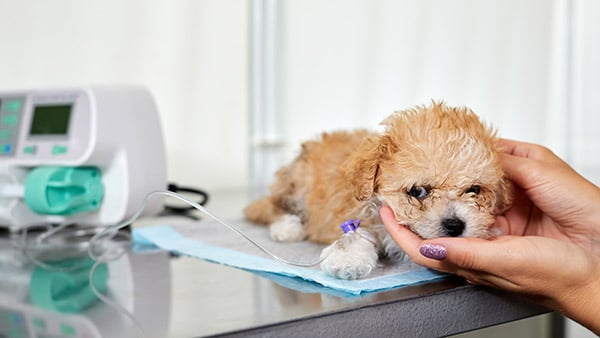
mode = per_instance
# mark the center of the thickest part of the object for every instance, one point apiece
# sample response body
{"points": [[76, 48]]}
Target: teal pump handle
{"points": [[67, 291], [55, 190]]}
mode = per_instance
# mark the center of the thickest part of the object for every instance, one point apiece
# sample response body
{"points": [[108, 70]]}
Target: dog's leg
{"points": [[284, 227], [263, 211], [288, 228], [389, 248], [392, 250], [352, 256]]}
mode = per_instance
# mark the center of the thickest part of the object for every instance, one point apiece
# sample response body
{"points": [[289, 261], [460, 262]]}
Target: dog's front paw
{"points": [[288, 228], [350, 257]]}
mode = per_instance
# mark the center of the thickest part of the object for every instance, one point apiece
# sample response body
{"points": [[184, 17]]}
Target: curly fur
{"points": [[445, 153]]}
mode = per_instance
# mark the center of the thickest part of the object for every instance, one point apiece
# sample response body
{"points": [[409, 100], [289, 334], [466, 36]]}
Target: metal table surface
{"points": [[240, 304], [215, 300], [186, 297]]}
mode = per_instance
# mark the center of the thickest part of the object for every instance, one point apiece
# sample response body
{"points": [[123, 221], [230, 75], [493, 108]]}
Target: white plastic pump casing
{"points": [[116, 129]]}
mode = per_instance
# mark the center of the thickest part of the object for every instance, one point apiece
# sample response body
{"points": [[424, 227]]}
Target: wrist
{"points": [[581, 302]]}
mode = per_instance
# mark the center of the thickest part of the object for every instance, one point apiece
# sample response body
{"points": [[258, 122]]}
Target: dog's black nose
{"points": [[454, 227]]}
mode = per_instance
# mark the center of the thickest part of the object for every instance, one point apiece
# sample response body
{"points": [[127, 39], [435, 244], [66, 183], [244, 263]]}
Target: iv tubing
{"points": [[112, 230]]}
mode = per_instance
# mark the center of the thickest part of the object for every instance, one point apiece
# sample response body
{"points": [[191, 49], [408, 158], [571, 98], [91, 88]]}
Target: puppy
{"points": [[436, 166]]}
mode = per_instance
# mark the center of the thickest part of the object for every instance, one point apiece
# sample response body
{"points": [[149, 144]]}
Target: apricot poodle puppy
{"points": [[436, 166]]}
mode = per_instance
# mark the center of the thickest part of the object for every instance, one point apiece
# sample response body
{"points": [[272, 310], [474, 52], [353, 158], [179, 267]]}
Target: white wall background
{"points": [[342, 64], [191, 54], [527, 67], [351, 63], [584, 112], [522, 65]]}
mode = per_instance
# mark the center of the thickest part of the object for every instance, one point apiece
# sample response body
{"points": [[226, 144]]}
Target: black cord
{"points": [[177, 189]]}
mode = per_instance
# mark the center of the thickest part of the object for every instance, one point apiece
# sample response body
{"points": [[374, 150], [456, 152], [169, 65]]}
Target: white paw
{"points": [[350, 257], [288, 228]]}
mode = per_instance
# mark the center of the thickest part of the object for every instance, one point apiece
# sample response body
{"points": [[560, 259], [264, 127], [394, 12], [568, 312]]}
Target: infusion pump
{"points": [[85, 155]]}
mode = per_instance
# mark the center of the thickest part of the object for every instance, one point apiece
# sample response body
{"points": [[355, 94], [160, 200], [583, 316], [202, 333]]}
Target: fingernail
{"points": [[433, 251]]}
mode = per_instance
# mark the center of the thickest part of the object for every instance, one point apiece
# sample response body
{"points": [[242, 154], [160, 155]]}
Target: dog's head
{"points": [[438, 168]]}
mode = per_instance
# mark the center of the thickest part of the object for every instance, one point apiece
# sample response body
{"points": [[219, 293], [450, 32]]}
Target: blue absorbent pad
{"points": [[211, 241]]}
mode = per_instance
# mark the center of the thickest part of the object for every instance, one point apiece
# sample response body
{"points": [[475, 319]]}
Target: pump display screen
{"points": [[51, 119]]}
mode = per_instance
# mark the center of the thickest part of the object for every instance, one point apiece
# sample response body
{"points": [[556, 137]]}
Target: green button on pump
{"points": [[10, 119], [67, 329], [29, 150], [12, 105], [58, 150], [4, 134]]}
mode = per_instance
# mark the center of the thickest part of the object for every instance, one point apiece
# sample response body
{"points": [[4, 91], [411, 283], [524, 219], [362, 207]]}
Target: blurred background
{"points": [[240, 83]]}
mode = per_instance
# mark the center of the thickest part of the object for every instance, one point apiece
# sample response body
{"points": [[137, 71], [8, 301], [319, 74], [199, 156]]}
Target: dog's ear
{"points": [[504, 196], [363, 166]]}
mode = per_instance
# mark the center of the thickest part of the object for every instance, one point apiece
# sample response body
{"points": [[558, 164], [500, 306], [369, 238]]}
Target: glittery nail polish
{"points": [[433, 251]]}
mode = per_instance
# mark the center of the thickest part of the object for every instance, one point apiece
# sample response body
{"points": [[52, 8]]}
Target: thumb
{"points": [[443, 254], [461, 256], [406, 239], [506, 262], [460, 253], [478, 260]]}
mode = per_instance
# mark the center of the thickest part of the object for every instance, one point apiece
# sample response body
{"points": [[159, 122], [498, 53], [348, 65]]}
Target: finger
{"points": [[538, 181], [526, 150], [418, 249], [406, 239], [513, 147], [410, 243], [524, 172], [523, 264], [470, 253], [487, 279], [471, 258], [500, 261]]}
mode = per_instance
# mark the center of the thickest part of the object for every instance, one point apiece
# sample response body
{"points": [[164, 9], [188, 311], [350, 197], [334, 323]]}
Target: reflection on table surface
{"points": [[45, 291], [166, 295], [171, 296], [212, 299]]}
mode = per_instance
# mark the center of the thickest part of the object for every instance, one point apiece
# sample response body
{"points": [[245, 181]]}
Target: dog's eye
{"points": [[475, 189], [418, 192]]}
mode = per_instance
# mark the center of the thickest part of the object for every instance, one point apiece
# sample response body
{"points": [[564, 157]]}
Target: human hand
{"points": [[552, 244], [558, 274], [551, 199], [513, 263]]}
